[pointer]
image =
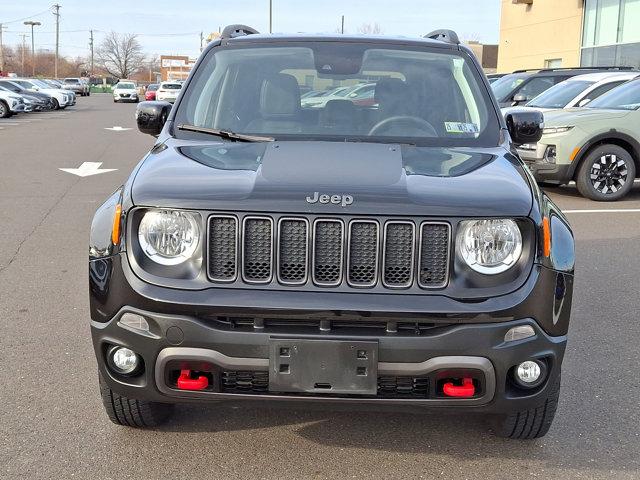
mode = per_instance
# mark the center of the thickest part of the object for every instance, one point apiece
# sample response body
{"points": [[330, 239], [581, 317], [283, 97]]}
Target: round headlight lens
{"points": [[489, 246], [168, 237]]}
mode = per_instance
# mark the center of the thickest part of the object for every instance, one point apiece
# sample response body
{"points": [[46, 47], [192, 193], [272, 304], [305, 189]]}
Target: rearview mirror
{"points": [[151, 116], [519, 98], [525, 126]]}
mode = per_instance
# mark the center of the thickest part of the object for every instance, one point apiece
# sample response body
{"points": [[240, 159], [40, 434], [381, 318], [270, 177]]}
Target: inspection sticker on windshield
{"points": [[459, 127]]}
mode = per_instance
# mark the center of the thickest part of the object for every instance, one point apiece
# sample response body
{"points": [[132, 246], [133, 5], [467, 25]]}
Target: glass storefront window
{"points": [[630, 21], [607, 22]]}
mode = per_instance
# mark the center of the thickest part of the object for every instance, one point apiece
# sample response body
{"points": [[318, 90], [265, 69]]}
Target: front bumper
{"points": [[129, 98], [18, 108], [187, 327]]}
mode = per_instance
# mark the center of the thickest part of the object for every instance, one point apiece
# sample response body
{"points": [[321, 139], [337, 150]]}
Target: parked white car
{"points": [[168, 91], [576, 91], [61, 97], [10, 104], [125, 91]]}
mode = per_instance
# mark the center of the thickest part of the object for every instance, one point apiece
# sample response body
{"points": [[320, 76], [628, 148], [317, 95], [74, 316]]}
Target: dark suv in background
{"points": [[521, 86], [396, 252]]}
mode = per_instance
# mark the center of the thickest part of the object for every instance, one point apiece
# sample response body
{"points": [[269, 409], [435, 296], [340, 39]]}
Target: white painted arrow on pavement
{"points": [[117, 129], [87, 169]]}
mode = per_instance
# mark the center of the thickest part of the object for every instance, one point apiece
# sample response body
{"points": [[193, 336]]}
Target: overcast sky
{"points": [[173, 27]]}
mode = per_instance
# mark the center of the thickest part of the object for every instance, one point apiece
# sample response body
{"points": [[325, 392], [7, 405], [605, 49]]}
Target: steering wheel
{"points": [[403, 122]]}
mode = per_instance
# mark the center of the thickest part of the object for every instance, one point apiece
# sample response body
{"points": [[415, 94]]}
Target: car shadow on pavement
{"points": [[465, 437]]}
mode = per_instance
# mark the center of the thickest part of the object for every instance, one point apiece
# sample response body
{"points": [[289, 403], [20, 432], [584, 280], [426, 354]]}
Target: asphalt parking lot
{"points": [[52, 424]]}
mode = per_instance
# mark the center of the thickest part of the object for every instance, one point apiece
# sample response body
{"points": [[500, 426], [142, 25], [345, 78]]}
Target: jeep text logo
{"points": [[343, 200]]}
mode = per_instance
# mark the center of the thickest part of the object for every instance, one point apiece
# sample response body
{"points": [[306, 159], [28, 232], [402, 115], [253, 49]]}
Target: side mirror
{"points": [[583, 102], [151, 116], [519, 98], [525, 126]]}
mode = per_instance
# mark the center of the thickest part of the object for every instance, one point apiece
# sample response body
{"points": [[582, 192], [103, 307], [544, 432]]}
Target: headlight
{"points": [[168, 237], [489, 246], [549, 130]]}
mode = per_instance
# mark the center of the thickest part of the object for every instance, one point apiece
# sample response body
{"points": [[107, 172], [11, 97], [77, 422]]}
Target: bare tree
{"points": [[370, 29], [120, 55]]}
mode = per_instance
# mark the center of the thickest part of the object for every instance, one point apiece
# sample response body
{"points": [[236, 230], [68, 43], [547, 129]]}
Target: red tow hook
{"points": [[185, 382], [466, 390]]}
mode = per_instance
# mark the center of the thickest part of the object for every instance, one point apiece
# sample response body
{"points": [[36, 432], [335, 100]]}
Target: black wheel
{"points": [[532, 423], [131, 412], [606, 174], [4, 110], [56, 104]]}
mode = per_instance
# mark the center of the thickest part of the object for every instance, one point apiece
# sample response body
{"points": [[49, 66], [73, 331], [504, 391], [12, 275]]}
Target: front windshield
{"points": [[41, 84], [171, 86], [125, 86], [507, 84], [394, 94], [624, 97], [560, 95]]}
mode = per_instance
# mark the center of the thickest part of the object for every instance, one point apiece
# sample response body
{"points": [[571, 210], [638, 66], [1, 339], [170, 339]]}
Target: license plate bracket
{"points": [[323, 366]]}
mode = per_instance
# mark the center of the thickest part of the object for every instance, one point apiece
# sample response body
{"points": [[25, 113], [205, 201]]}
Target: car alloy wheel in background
{"points": [[4, 110], [606, 174]]}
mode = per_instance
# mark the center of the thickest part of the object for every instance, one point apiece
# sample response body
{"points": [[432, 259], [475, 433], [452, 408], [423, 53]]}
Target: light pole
{"points": [[270, 16], [33, 46]]}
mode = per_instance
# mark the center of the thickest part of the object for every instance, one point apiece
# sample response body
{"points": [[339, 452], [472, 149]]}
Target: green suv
{"points": [[597, 146]]}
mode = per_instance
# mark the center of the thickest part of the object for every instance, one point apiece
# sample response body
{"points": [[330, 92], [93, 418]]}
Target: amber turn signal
{"points": [[115, 230], [546, 237]]}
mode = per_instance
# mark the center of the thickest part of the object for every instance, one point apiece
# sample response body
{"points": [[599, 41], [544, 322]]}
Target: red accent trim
{"points": [[185, 382], [465, 390]]}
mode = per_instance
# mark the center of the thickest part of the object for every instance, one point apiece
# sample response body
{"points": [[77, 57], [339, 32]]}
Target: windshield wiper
{"points": [[239, 137]]}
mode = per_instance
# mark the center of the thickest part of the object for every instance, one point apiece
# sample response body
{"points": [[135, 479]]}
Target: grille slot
{"points": [[328, 246], [293, 251], [244, 381], [363, 253], [433, 255], [257, 249], [398, 254], [403, 387], [223, 248]]}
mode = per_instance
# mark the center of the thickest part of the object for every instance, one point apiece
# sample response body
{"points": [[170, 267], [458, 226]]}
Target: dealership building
{"points": [[569, 33]]}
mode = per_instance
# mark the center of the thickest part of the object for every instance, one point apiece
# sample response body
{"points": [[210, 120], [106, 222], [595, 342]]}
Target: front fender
{"points": [[100, 236]]}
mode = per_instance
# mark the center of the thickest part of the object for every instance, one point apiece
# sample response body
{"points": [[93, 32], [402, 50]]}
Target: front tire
{"points": [[532, 423], [56, 104], [4, 110], [606, 174], [131, 412]]}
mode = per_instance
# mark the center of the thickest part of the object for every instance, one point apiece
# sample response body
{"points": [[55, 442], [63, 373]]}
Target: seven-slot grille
{"points": [[328, 252]]}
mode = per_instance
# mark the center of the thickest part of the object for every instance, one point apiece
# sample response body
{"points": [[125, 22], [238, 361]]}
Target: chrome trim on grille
{"points": [[314, 250], [242, 244], [208, 253], [413, 254], [377, 259], [279, 243], [448, 256]]}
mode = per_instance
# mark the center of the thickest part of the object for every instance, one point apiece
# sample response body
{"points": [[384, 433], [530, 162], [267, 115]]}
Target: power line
{"points": [[27, 18]]}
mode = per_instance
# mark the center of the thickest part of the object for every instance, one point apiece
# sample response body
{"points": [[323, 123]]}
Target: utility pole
{"points": [[33, 46], [24, 47], [342, 29], [2, 27], [270, 16], [57, 15], [201, 40], [91, 45]]}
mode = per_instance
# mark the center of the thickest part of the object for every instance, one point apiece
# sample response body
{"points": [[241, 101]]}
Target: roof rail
{"points": [[448, 36], [557, 69], [237, 30]]}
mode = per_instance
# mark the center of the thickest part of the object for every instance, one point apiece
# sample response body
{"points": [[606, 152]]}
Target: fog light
{"points": [[530, 373], [123, 360]]}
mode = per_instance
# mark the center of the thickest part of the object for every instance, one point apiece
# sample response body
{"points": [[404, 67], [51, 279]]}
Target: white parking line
{"points": [[605, 210]]}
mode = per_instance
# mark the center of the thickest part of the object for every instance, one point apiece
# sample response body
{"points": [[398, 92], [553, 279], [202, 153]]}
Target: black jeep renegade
{"points": [[337, 220]]}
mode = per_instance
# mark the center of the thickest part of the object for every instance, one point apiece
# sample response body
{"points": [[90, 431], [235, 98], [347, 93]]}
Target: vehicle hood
{"points": [[572, 116], [7, 95], [380, 178]]}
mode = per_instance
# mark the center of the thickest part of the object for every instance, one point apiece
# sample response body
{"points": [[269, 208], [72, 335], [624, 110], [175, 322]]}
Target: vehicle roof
{"points": [[599, 76], [319, 37]]}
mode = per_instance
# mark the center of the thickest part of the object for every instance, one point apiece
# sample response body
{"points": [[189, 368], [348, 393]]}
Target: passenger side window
{"points": [[601, 90], [536, 86]]}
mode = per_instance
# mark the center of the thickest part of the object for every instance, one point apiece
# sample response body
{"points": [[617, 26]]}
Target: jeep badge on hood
{"points": [[343, 200]]}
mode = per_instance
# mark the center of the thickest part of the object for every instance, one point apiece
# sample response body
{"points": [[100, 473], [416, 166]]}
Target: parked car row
{"points": [[19, 95], [128, 91], [591, 133]]}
